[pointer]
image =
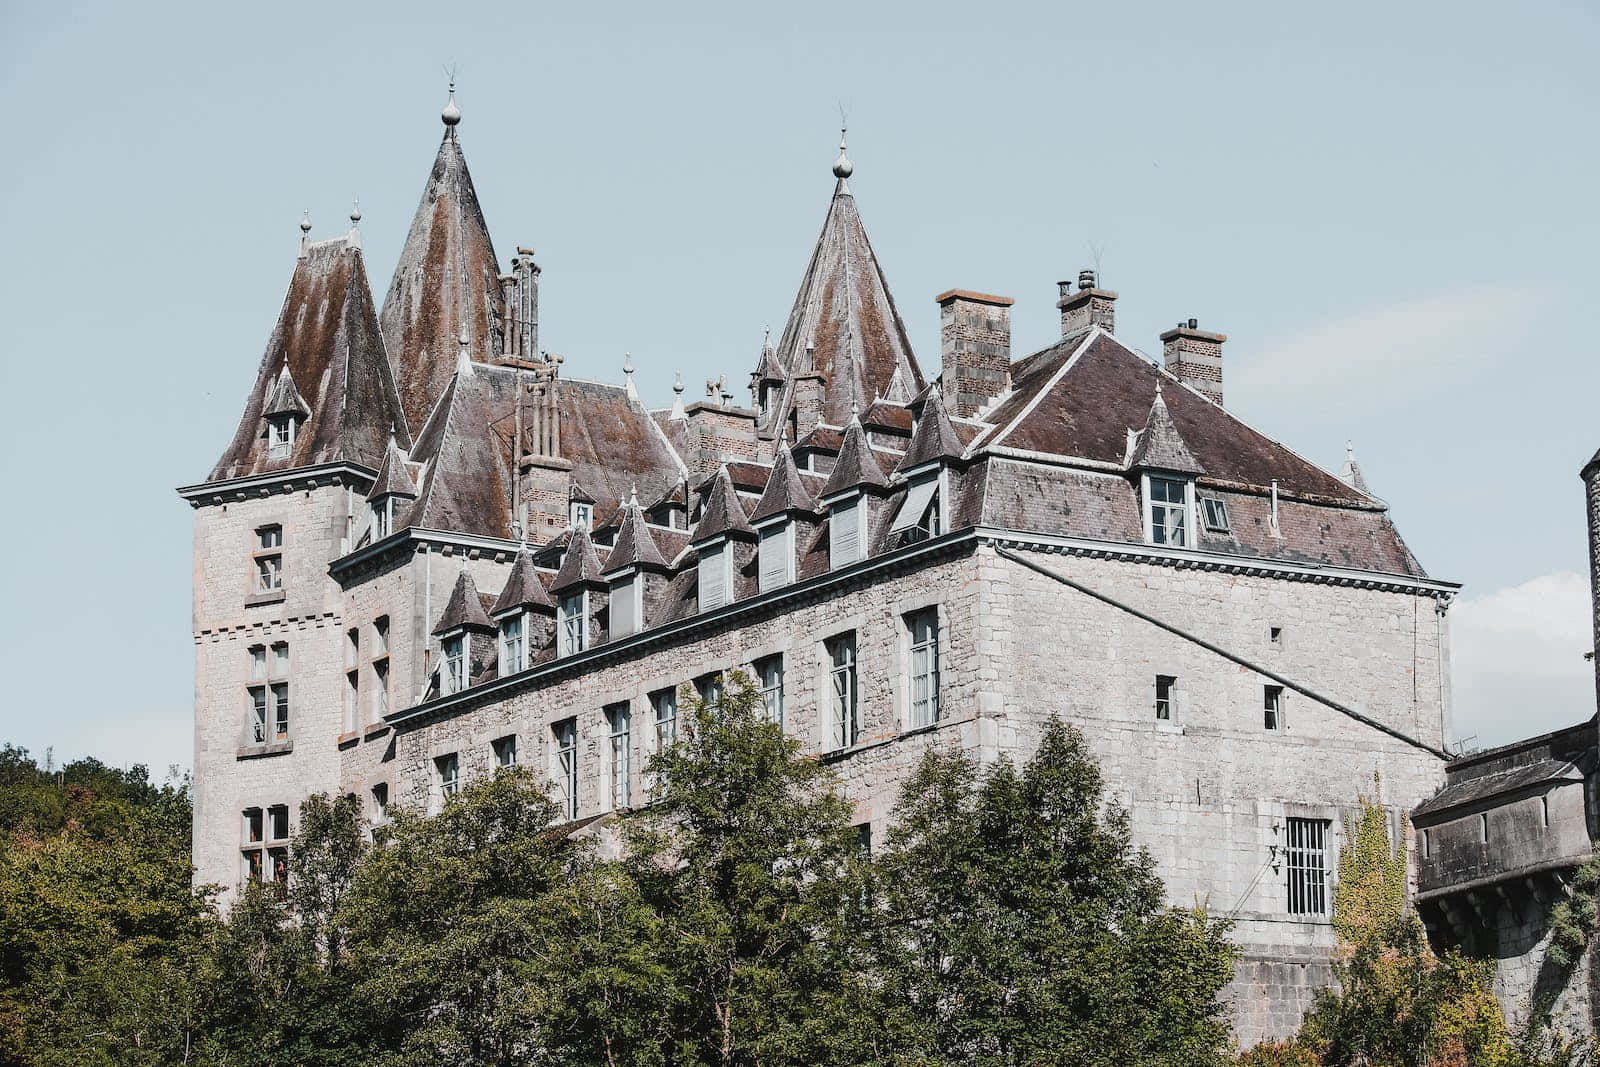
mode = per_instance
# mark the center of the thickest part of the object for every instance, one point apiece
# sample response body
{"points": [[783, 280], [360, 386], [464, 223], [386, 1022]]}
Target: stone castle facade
{"points": [[430, 550]]}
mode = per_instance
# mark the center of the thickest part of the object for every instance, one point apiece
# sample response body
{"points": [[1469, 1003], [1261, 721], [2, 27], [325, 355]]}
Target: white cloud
{"points": [[1391, 350], [1517, 659]]}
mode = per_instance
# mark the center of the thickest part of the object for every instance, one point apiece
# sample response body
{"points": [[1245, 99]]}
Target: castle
{"points": [[430, 549]]}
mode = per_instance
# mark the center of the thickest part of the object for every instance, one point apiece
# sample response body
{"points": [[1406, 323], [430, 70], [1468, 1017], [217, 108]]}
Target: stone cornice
{"points": [[256, 485]]}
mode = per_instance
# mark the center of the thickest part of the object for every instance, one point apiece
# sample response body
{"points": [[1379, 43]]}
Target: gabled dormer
{"points": [[925, 470], [580, 594], [717, 540], [782, 515], [466, 636], [391, 494], [854, 493], [285, 409], [524, 615], [635, 572], [1166, 470], [767, 382]]}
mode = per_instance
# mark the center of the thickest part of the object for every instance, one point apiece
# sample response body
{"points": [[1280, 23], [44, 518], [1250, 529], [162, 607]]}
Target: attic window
{"points": [[580, 514], [1215, 513], [382, 517], [1167, 510], [280, 436], [453, 678], [919, 512], [574, 623]]}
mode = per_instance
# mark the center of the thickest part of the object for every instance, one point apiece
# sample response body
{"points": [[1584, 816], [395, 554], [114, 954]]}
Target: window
{"points": [[280, 436], [253, 826], [716, 575], [566, 736], [580, 514], [708, 687], [1165, 683], [382, 517], [918, 516], [447, 773], [1544, 812], [1168, 510], [769, 671], [1483, 828], [278, 822], [380, 636], [513, 646], [352, 699], [1427, 844], [1275, 636], [1272, 707], [864, 840], [846, 717], [279, 860], [776, 553], [928, 526], [380, 802], [380, 686], [269, 703], [619, 717], [844, 532], [258, 714], [352, 647], [923, 629], [258, 662], [252, 865], [505, 751], [269, 559], [453, 678], [1307, 866], [574, 623], [665, 704], [626, 606], [1215, 514]]}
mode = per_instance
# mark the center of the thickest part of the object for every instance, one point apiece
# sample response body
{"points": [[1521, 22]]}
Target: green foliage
{"points": [[1574, 917], [1018, 924], [1369, 900]]}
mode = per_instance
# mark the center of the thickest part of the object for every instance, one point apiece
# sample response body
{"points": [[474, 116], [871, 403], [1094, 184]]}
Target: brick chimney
{"points": [[1194, 356], [1089, 306], [974, 348]]}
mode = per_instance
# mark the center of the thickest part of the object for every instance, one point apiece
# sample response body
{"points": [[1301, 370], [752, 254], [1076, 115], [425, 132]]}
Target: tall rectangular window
{"points": [[1169, 511], [380, 689], [922, 627], [1306, 866], [380, 802], [574, 623], [844, 532], [715, 575], [352, 699], [505, 751], [380, 636], [1165, 683], [776, 554], [447, 769], [453, 678], [566, 738], [513, 646], [278, 822], [268, 559], [664, 702], [625, 606], [254, 826], [769, 671], [708, 687], [1272, 707], [257, 695], [845, 717], [619, 717]]}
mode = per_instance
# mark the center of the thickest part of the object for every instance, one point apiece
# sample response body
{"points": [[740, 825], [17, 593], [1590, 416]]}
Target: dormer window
{"points": [[574, 623], [627, 606], [716, 575], [1167, 504], [845, 540], [919, 518], [382, 517], [280, 436], [776, 551], [1214, 512], [580, 514], [453, 676], [513, 645]]}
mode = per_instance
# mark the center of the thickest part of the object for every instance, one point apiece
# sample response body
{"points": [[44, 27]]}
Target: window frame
{"points": [[714, 557], [573, 626], [1183, 509], [505, 752], [619, 730], [776, 537], [513, 649], [280, 436], [844, 695], [446, 778], [1214, 514], [453, 663], [931, 676], [769, 677], [266, 560], [578, 513], [1306, 846], [564, 733], [1272, 707], [1166, 702], [847, 514]]}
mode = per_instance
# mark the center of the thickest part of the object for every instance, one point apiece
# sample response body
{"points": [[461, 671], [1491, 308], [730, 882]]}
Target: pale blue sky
{"points": [[1388, 207]]}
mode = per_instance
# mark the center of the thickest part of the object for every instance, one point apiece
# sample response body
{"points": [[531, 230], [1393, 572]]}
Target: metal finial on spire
{"points": [[355, 212], [1350, 450], [627, 376], [841, 167], [677, 382], [305, 222], [451, 114], [633, 495]]}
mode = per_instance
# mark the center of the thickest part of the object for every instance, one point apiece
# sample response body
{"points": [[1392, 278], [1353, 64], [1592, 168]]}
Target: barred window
{"points": [[1307, 866], [846, 718]]}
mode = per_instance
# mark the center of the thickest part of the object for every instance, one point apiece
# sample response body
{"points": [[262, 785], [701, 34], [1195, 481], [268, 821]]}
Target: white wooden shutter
{"points": [[624, 606], [776, 557], [918, 497], [844, 533], [713, 576]]}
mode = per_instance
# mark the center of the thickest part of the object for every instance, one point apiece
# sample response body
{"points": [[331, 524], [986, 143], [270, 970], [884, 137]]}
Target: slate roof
{"points": [[464, 609], [635, 546], [1500, 784], [723, 513], [786, 490], [579, 566], [934, 438], [523, 589], [447, 259], [327, 337], [285, 399], [394, 477], [845, 311], [856, 465], [1160, 446]]}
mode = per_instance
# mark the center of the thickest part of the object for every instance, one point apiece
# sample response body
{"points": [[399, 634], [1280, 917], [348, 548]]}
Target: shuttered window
{"points": [[915, 506], [625, 606], [844, 533], [714, 576], [777, 557]]}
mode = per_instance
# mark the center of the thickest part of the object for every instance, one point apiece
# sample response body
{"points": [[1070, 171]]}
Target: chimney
{"points": [[1194, 357], [974, 349], [1089, 306]]}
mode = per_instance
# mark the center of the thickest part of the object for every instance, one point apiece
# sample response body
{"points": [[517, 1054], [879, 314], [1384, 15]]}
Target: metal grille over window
{"points": [[842, 671], [566, 735], [923, 627], [770, 670], [1306, 855], [1169, 506], [620, 718]]}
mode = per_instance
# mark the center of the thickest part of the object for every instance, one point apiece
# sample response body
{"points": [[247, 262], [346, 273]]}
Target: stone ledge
{"points": [[277, 748], [277, 596]]}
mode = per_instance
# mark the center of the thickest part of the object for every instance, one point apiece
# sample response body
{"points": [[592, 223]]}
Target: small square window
{"points": [[1272, 707], [1215, 514], [269, 573], [1275, 635], [581, 515], [269, 537], [1165, 683], [505, 751]]}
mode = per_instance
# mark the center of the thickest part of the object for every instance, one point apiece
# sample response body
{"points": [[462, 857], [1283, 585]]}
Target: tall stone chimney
{"points": [[1591, 500], [1194, 357], [1089, 306], [974, 348]]}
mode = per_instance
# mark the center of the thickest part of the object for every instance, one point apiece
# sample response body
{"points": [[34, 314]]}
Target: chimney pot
{"points": [[1194, 324], [1086, 279]]}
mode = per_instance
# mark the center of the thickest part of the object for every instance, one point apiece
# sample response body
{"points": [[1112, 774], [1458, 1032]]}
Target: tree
{"points": [[753, 870], [1017, 924]]}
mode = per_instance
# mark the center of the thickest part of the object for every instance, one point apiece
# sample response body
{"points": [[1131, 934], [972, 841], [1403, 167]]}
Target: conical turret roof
{"points": [[856, 465], [635, 545], [464, 610], [285, 399], [447, 271], [934, 437], [1160, 445], [580, 566], [394, 477], [723, 513], [523, 588], [785, 491]]}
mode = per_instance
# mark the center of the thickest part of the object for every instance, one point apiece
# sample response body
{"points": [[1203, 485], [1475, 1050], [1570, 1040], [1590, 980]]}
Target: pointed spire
{"points": [[450, 115], [579, 566], [354, 240], [635, 546], [285, 399], [785, 491], [394, 477], [856, 465], [1160, 445], [464, 610], [523, 588], [677, 396], [723, 513], [1351, 474], [934, 439], [305, 233], [627, 377]]}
